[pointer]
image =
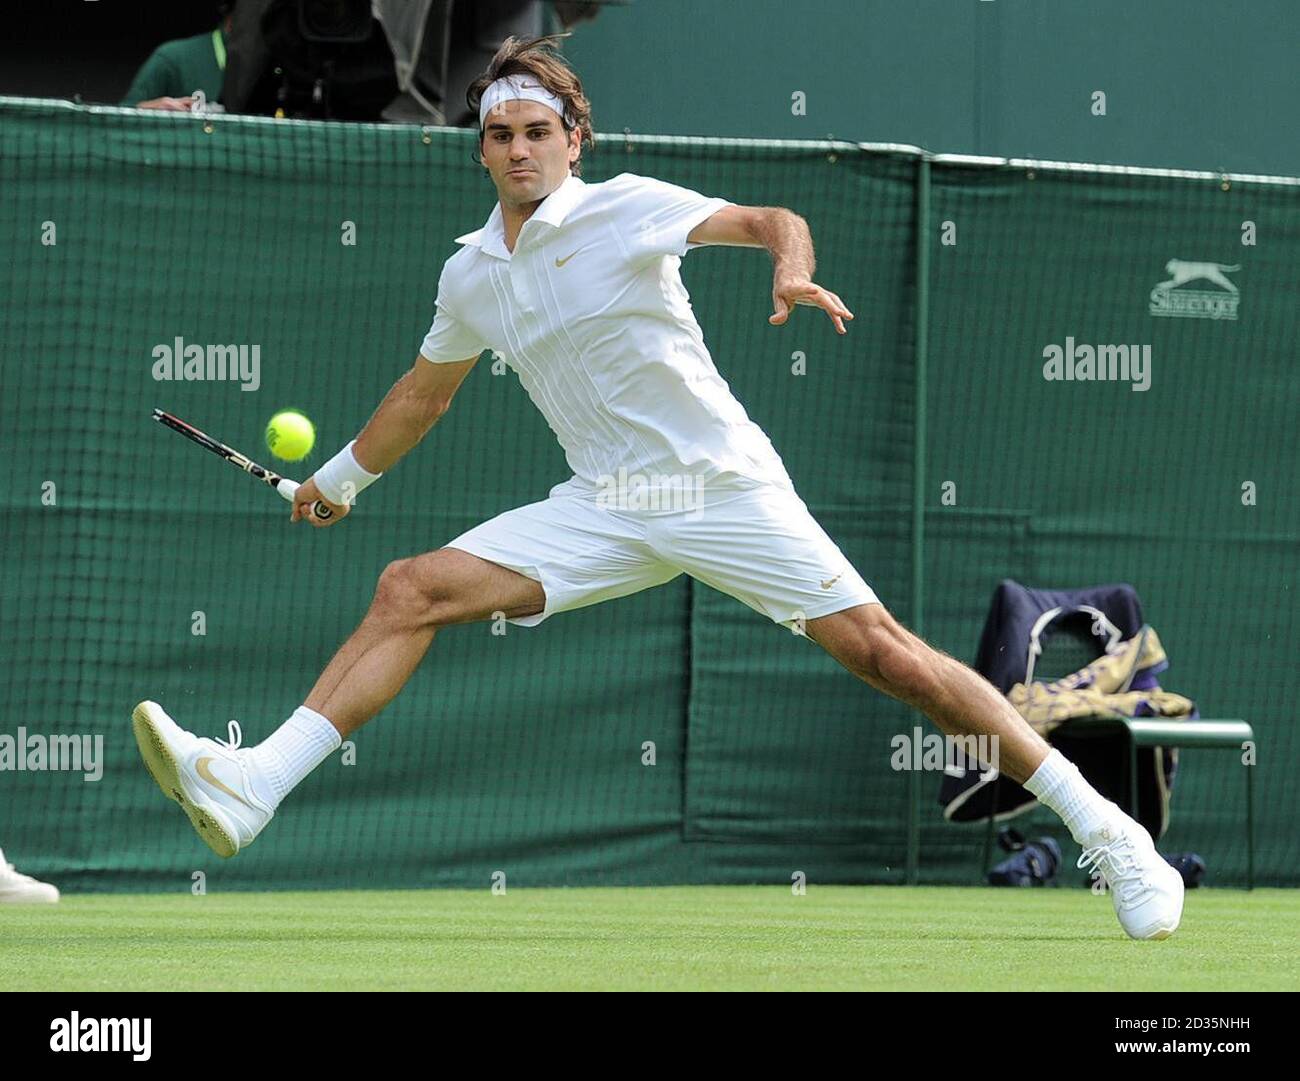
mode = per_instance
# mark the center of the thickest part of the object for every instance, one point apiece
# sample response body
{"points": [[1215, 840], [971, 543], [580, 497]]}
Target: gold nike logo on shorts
{"points": [[831, 581]]}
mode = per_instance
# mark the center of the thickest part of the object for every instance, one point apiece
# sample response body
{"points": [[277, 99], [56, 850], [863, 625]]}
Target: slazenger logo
{"points": [[1170, 299], [77, 1033]]}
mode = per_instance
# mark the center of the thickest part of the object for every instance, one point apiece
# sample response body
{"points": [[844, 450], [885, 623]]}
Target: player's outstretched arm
{"points": [[785, 235], [408, 411]]}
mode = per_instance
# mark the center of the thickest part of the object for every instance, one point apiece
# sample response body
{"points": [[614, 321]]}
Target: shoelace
{"points": [[1119, 867], [235, 736]]}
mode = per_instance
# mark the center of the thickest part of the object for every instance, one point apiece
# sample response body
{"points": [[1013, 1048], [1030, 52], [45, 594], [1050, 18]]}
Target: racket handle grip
{"points": [[289, 488]]}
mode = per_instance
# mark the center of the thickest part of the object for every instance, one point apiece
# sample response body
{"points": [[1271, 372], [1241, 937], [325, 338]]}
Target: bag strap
{"points": [[1100, 624]]}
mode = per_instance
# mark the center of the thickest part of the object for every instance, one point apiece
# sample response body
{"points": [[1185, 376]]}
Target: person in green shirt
{"points": [[176, 69]]}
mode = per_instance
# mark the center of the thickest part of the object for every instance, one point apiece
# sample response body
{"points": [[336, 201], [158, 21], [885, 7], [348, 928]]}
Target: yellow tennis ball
{"points": [[290, 435]]}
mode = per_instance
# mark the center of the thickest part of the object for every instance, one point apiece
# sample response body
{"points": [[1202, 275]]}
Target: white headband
{"points": [[517, 88]]}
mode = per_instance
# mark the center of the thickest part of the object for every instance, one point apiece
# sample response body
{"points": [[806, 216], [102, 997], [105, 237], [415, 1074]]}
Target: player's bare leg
{"points": [[1147, 893], [413, 599], [876, 648], [231, 792]]}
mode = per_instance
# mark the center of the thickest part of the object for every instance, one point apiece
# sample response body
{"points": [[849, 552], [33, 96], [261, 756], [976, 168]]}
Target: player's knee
{"points": [[400, 597], [417, 592], [887, 655]]}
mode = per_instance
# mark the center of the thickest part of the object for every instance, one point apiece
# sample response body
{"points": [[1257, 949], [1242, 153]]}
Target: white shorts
{"points": [[752, 540]]}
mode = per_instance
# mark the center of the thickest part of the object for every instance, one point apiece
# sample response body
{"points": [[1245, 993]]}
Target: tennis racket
{"points": [[283, 485]]}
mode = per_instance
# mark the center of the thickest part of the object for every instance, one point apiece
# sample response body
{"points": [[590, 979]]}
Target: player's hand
{"points": [[306, 496], [789, 291]]}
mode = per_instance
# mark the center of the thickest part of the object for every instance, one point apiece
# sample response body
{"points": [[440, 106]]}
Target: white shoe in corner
{"points": [[23, 889], [1146, 891], [209, 778]]}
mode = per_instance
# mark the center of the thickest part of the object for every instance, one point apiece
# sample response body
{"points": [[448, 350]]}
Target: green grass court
{"points": [[677, 938]]}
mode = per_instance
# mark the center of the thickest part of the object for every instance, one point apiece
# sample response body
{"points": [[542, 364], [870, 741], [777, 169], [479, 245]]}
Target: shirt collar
{"points": [[552, 211]]}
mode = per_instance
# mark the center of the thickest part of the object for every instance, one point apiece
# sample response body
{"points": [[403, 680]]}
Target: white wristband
{"points": [[342, 478]]}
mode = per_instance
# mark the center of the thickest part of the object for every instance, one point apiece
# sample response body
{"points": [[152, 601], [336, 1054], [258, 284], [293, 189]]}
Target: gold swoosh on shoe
{"points": [[205, 771]]}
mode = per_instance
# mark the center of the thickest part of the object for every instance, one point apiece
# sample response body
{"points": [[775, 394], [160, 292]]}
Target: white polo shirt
{"points": [[591, 313]]}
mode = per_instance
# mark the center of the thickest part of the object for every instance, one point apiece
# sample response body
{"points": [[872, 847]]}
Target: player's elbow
{"points": [[761, 221], [425, 399], [431, 408], [784, 214], [764, 223], [431, 386]]}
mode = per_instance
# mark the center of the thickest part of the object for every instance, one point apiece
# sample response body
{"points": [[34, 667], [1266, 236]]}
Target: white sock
{"points": [[1058, 784], [292, 751]]}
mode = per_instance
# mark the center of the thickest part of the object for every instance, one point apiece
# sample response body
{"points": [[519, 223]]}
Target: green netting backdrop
{"points": [[524, 752]]}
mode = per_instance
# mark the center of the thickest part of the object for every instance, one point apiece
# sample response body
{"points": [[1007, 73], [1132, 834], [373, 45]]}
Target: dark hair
{"points": [[539, 58]]}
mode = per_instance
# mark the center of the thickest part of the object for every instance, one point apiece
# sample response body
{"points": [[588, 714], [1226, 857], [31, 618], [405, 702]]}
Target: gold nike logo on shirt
{"points": [[205, 771], [560, 262]]}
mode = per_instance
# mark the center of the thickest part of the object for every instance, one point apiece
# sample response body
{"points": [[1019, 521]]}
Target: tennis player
{"points": [[576, 285]]}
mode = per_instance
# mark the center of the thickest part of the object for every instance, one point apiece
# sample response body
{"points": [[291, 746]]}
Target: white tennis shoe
{"points": [[17, 888], [210, 779], [1146, 891]]}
